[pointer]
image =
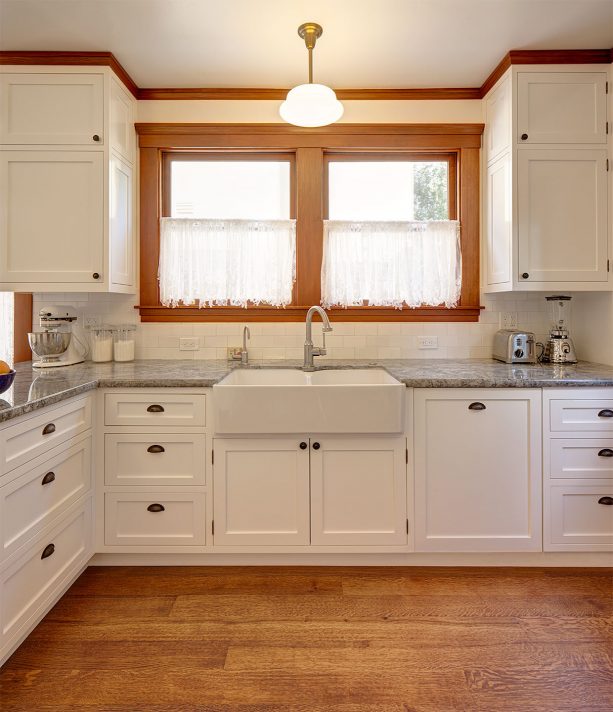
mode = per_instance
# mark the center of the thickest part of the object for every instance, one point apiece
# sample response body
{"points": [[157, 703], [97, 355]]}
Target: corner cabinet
{"points": [[67, 153], [478, 470], [546, 192]]}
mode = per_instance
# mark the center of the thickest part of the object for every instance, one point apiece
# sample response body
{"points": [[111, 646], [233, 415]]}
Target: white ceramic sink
{"points": [[273, 401]]}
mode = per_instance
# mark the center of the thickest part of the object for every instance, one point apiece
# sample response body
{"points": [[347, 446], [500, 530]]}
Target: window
{"points": [[16, 322], [206, 188]]}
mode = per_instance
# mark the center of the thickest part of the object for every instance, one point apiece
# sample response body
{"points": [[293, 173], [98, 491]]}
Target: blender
{"points": [[559, 347]]}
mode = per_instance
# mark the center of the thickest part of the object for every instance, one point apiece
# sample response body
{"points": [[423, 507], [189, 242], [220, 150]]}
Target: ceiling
{"points": [[249, 43]]}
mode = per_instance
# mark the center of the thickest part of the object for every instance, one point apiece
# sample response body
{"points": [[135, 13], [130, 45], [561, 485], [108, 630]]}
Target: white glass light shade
{"points": [[311, 105]]}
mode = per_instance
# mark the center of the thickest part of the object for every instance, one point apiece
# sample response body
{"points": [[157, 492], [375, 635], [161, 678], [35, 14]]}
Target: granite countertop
{"points": [[37, 389]]}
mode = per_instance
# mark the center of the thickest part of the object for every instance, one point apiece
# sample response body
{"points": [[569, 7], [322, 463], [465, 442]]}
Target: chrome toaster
{"points": [[513, 346]]}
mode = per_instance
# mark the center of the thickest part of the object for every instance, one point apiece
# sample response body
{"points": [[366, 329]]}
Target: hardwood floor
{"points": [[320, 640]]}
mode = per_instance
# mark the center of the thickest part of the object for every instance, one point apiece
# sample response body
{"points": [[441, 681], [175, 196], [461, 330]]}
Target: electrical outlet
{"points": [[90, 321], [508, 320], [427, 342], [189, 343]]}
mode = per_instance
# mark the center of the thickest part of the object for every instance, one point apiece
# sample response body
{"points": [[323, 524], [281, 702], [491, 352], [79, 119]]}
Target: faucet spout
{"points": [[309, 349]]}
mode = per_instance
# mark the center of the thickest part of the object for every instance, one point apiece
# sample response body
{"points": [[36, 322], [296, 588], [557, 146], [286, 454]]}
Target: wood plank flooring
{"points": [[196, 639]]}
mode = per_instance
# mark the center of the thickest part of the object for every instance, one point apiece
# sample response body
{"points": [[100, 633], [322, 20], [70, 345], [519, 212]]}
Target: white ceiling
{"points": [[253, 43]]}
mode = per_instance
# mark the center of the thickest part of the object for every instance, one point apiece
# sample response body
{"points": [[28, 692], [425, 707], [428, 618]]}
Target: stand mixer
{"points": [[51, 345], [559, 347]]}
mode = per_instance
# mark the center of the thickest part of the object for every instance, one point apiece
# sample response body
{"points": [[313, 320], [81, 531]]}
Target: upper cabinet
{"points": [[67, 154], [547, 224]]}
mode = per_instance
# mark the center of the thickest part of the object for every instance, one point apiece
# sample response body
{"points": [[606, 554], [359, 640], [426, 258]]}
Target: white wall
{"points": [[592, 326]]}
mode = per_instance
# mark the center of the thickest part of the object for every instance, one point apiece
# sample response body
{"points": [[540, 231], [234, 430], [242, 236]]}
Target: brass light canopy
{"points": [[311, 104]]}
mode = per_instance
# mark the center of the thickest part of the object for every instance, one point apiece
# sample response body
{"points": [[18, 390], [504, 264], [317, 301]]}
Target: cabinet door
{"points": [[121, 224], [562, 215], [121, 129], [52, 109], [497, 139], [477, 470], [561, 107], [261, 492], [358, 491], [498, 217], [51, 228]]}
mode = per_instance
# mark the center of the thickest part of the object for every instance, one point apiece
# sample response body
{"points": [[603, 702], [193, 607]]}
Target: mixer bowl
{"points": [[49, 345]]}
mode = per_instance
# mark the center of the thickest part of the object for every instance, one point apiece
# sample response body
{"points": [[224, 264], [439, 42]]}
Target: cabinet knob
{"points": [[476, 406], [605, 452], [155, 449], [524, 137], [48, 429], [96, 137], [525, 275], [303, 446], [96, 275], [47, 551], [156, 507], [50, 477], [316, 446], [606, 413], [155, 408], [605, 500]]}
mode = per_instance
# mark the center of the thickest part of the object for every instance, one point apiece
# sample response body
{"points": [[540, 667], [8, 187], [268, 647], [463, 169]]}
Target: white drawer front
{"points": [[581, 415], [24, 441], [47, 487], [583, 459], [135, 519], [579, 516], [30, 581], [165, 459], [155, 409]]}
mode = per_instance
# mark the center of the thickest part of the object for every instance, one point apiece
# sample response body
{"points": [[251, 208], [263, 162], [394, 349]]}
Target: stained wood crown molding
{"points": [[107, 59]]}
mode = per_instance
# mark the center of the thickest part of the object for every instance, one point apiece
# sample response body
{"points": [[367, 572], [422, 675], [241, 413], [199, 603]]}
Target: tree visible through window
{"points": [[430, 191]]}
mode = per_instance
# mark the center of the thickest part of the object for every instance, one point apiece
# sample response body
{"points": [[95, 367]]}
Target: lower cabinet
{"points": [[318, 490], [478, 470]]}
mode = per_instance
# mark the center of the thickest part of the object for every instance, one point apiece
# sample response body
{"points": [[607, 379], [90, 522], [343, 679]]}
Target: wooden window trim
{"points": [[22, 324], [309, 147]]}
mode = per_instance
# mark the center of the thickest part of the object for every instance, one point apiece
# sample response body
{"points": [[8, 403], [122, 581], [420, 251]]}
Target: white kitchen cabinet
{"points": [[121, 223], [358, 491], [499, 252], [561, 107], [477, 470], [581, 516], [497, 133], [54, 108], [261, 491], [121, 120]]}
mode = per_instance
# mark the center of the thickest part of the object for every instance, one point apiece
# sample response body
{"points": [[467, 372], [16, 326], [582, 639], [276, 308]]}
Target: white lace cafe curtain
{"points": [[391, 264], [7, 310], [227, 262]]}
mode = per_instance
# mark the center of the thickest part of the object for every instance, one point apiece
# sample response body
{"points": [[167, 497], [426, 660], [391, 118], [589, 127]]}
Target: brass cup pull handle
{"points": [[476, 406], [155, 449], [48, 429], [47, 551], [155, 408], [605, 500], [606, 413], [156, 507], [605, 452], [48, 478]]}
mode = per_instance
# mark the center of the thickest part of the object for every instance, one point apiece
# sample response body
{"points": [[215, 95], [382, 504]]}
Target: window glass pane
{"points": [[7, 310], [388, 190], [246, 190]]}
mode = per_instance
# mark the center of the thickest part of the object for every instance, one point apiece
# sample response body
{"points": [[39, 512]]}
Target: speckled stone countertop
{"points": [[37, 389]]}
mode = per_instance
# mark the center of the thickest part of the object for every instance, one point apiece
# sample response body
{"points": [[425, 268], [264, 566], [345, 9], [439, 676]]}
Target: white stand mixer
{"points": [[52, 346]]}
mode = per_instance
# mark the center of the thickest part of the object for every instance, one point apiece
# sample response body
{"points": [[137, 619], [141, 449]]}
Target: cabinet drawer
{"points": [[22, 442], [154, 409], [28, 583], [154, 519], [42, 490], [578, 415], [576, 458], [165, 459], [578, 515]]}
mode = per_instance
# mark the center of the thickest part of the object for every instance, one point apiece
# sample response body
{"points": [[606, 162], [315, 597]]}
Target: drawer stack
{"points": [[154, 449], [45, 512], [578, 472]]}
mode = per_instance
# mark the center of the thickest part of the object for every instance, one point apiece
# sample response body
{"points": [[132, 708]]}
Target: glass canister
{"points": [[123, 342], [101, 338]]}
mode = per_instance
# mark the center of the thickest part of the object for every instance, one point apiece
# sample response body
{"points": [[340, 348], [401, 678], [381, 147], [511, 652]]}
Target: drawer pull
{"points": [[605, 452], [155, 408], [156, 507], [50, 428], [48, 478], [606, 413], [47, 551], [158, 448], [605, 500], [476, 406]]}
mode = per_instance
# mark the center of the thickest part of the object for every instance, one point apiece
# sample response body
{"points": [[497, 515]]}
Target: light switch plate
{"points": [[427, 342], [189, 343], [508, 320]]}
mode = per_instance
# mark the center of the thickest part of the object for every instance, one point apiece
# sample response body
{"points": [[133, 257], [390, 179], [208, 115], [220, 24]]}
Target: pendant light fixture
{"points": [[311, 104]]}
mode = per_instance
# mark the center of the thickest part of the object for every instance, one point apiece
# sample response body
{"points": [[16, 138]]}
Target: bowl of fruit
{"points": [[7, 376]]}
